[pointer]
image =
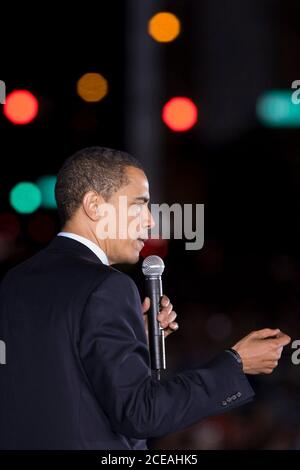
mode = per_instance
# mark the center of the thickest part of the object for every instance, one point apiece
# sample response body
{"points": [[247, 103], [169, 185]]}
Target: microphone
{"points": [[153, 267]]}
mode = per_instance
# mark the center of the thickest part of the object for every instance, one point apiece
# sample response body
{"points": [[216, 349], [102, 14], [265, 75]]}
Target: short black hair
{"points": [[94, 168]]}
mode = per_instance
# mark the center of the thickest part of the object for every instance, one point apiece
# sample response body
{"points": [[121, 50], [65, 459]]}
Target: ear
{"points": [[91, 205]]}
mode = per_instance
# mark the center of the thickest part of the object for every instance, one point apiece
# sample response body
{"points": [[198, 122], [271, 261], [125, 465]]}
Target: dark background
{"points": [[247, 274]]}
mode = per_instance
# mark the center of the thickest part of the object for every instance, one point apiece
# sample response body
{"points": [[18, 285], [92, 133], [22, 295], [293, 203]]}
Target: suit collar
{"points": [[71, 246], [91, 245]]}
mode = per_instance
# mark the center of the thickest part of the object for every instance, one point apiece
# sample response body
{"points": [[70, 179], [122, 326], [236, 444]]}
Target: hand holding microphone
{"points": [[160, 312], [165, 317]]}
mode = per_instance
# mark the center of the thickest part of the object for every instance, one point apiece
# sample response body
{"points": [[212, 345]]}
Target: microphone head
{"points": [[153, 266]]}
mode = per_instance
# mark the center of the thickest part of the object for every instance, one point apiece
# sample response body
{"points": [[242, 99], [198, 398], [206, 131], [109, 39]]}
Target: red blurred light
{"points": [[21, 107], [41, 228], [180, 114], [9, 227], [155, 246]]}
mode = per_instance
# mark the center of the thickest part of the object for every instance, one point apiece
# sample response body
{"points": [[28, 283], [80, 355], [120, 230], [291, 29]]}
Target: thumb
{"points": [[146, 305], [283, 340], [266, 333]]}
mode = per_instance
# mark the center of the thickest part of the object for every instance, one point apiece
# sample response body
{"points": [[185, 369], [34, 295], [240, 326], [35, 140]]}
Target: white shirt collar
{"points": [[91, 245]]}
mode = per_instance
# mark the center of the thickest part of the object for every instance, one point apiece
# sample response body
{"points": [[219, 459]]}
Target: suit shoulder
{"points": [[118, 277], [120, 281], [19, 268]]}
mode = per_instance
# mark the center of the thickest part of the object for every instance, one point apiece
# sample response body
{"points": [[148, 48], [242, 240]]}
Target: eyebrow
{"points": [[142, 198]]}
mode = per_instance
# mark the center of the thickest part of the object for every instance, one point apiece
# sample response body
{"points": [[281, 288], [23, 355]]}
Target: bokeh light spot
{"points": [[92, 87], [46, 185], [21, 107], [164, 27], [180, 114], [25, 197]]}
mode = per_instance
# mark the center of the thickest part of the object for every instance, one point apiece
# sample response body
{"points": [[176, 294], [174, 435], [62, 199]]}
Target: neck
{"points": [[84, 231]]}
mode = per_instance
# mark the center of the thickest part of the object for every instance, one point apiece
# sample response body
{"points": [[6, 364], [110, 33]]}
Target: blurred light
{"points": [[92, 87], [9, 227], [208, 435], [25, 197], [21, 107], [164, 27], [180, 114], [155, 246], [46, 186], [41, 228], [276, 109]]}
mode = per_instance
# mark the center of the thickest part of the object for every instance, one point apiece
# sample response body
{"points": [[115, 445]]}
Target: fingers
{"points": [[172, 327], [267, 371], [166, 310], [261, 350], [146, 305], [164, 301], [282, 340], [266, 333], [269, 367], [275, 347], [165, 317], [274, 351]]}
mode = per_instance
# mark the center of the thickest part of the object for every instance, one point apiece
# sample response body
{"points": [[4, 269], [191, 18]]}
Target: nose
{"points": [[149, 220]]}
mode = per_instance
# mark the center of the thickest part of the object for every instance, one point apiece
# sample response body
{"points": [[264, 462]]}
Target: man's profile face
{"points": [[132, 219]]}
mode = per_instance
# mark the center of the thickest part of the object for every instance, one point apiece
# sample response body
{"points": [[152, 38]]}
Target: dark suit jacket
{"points": [[77, 372]]}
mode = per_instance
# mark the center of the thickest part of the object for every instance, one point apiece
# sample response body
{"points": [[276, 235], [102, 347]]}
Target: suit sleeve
{"points": [[114, 353]]}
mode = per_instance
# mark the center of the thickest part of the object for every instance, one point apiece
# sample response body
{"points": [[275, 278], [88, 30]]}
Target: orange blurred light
{"points": [[164, 27], [21, 107], [92, 87], [180, 114]]}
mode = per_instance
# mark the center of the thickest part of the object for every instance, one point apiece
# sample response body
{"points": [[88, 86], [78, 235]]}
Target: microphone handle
{"points": [[156, 334]]}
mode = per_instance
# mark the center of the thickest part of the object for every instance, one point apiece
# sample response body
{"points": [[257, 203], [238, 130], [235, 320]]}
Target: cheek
{"points": [[134, 227], [126, 245]]}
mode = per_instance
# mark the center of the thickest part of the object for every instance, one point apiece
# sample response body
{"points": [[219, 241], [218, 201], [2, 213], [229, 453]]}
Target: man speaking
{"points": [[77, 372]]}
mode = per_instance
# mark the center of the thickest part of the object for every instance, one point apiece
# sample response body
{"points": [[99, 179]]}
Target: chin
{"points": [[134, 258], [128, 258]]}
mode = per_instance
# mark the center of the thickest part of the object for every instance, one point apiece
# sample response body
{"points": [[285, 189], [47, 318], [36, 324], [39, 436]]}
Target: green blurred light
{"points": [[46, 185], [25, 197], [276, 109]]}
